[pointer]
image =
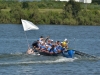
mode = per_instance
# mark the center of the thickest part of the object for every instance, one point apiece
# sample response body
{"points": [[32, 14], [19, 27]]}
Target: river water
{"points": [[14, 60]]}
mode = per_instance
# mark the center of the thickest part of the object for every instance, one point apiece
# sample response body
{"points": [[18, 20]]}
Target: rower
{"points": [[41, 39], [66, 52], [53, 50], [49, 42], [30, 51], [36, 45], [65, 44], [58, 46]]}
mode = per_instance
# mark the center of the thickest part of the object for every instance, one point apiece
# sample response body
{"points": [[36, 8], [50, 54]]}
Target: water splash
{"points": [[27, 62], [25, 59]]}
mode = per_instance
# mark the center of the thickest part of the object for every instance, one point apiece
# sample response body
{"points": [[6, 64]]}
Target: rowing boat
{"points": [[67, 54], [27, 25]]}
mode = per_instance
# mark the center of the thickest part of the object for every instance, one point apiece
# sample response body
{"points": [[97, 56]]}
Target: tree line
{"points": [[96, 1], [71, 13]]}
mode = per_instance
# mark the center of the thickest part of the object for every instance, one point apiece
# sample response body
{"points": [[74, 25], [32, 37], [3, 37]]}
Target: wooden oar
{"points": [[45, 40], [83, 54]]}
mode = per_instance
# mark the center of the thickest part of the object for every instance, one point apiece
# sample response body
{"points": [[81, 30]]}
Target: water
{"points": [[14, 60]]}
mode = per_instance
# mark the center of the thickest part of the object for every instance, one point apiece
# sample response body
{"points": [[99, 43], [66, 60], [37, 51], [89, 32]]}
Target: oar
{"points": [[45, 40], [84, 54]]}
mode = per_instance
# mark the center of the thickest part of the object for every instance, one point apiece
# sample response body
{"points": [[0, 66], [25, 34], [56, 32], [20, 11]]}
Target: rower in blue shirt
{"points": [[53, 50]]}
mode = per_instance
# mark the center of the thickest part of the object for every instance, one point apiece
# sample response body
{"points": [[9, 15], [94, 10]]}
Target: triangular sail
{"points": [[27, 25]]}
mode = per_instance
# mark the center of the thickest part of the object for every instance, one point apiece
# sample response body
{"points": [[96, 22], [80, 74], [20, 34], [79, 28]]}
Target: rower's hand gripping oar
{"points": [[45, 40]]}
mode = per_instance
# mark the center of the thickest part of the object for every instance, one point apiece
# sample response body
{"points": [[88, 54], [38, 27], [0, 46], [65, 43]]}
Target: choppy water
{"points": [[14, 60]]}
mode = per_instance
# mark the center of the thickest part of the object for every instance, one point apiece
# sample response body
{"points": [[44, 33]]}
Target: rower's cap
{"points": [[47, 45], [51, 40], [65, 39]]}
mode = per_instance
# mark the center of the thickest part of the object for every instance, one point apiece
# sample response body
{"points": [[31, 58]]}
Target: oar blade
{"points": [[84, 54]]}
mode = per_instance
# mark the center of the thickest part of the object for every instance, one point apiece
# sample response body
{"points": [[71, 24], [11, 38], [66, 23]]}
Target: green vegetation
{"points": [[96, 1], [50, 12]]}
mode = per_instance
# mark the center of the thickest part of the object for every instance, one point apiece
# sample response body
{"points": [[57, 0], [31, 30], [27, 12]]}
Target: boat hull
{"points": [[48, 54], [67, 54]]}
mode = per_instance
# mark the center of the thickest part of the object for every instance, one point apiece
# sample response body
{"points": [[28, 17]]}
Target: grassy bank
{"points": [[49, 13]]}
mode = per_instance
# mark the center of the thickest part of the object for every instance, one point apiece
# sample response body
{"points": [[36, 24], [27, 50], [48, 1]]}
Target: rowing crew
{"points": [[48, 46]]}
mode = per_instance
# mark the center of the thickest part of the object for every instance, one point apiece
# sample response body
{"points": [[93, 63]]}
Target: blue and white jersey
{"points": [[54, 50], [39, 45], [49, 44], [58, 47], [39, 39], [48, 48], [42, 47], [62, 49]]}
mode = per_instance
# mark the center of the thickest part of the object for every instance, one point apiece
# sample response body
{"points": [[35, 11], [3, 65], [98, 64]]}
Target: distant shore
{"points": [[48, 13]]}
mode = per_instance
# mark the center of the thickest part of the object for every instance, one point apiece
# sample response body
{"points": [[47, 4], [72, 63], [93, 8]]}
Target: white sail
{"points": [[27, 25]]}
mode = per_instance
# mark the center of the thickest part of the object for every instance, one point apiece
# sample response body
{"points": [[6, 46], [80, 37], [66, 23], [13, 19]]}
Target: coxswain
{"points": [[65, 44]]}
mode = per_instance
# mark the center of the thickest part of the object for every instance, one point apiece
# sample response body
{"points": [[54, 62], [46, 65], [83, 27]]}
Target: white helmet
{"points": [[65, 39], [51, 40]]}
